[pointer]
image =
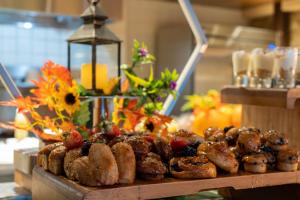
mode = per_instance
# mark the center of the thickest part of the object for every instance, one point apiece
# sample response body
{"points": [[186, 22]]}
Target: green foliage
{"points": [[151, 91], [82, 116]]}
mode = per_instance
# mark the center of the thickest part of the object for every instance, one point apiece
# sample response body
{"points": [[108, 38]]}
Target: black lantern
{"points": [[94, 33]]}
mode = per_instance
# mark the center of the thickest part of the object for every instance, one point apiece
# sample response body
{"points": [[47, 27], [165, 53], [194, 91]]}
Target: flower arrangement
{"points": [[208, 111], [69, 114]]}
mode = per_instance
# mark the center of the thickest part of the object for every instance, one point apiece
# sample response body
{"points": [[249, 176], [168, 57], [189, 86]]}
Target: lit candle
{"points": [[101, 76]]}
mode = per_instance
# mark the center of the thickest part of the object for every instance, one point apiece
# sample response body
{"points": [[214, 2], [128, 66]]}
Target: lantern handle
{"points": [[94, 2]]}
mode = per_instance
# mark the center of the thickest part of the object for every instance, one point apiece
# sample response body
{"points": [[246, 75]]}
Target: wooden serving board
{"points": [[47, 186]]}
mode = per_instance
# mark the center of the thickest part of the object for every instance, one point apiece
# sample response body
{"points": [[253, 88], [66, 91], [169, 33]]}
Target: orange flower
{"points": [[55, 71]]}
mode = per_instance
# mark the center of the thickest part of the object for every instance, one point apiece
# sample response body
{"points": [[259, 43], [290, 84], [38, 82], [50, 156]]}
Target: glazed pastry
{"points": [[151, 167], [287, 160], [270, 156], [163, 148], [125, 159], [83, 172], [68, 161], [192, 167], [221, 156], [192, 139], [214, 134], [140, 146], [43, 155], [231, 136], [103, 161], [202, 148], [276, 140], [248, 142], [256, 163], [56, 160]]}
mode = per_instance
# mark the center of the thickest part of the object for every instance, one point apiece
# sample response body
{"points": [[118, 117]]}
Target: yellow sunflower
{"points": [[68, 98]]}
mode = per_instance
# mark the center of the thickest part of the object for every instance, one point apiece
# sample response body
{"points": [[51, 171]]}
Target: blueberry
{"points": [[85, 148], [186, 151]]}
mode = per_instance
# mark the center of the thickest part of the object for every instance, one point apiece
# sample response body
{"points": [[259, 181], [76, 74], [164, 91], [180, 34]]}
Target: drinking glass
{"points": [[262, 67], [285, 63], [241, 62]]}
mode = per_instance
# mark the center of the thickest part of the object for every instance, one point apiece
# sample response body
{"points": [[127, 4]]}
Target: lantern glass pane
{"points": [[108, 55]]}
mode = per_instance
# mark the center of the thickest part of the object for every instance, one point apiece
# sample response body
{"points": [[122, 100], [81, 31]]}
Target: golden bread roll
{"points": [[56, 160], [70, 156], [83, 172], [126, 162], [43, 155], [103, 160]]}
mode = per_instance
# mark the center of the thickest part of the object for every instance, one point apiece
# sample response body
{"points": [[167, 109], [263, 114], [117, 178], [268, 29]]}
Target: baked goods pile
{"points": [[116, 156]]}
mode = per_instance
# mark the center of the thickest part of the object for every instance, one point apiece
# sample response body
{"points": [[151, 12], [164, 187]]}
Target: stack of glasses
{"points": [[260, 68]]}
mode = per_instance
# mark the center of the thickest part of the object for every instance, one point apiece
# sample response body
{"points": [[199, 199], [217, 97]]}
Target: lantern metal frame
{"points": [[94, 33]]}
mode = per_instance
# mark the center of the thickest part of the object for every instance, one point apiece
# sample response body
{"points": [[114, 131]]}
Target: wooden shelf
{"points": [[284, 98], [48, 186]]}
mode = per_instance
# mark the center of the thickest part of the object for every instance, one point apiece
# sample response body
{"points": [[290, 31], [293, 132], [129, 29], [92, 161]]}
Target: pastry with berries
{"points": [[231, 136], [163, 148], [288, 160], [276, 140], [255, 163], [248, 142], [214, 134], [192, 167], [151, 167]]}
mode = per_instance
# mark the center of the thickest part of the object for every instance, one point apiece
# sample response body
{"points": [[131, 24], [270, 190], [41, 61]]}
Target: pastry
{"points": [[103, 161], [43, 155], [126, 162], [68, 161], [248, 142], [256, 163], [56, 160], [83, 172], [163, 148], [151, 167], [220, 155], [270, 155], [140, 145], [275, 140], [214, 134], [231, 136], [192, 167], [287, 160], [192, 139]]}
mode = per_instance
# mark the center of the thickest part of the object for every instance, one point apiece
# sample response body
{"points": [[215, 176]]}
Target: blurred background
{"points": [[34, 31]]}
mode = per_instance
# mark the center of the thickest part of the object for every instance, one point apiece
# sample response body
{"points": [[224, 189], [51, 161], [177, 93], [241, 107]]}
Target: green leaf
{"points": [[82, 116], [151, 74], [137, 80]]}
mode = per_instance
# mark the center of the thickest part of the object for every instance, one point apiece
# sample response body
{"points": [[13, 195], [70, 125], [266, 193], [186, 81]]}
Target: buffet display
{"points": [[115, 156]]}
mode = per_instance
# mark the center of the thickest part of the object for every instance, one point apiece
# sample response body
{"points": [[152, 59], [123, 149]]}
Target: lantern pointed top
{"points": [[93, 30], [94, 11]]}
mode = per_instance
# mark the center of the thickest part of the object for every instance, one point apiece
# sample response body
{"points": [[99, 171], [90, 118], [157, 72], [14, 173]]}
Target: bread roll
{"points": [[126, 162]]}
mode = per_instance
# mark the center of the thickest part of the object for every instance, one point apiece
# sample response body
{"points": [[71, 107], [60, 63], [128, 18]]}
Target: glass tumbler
{"points": [[285, 64], [241, 62], [262, 67]]}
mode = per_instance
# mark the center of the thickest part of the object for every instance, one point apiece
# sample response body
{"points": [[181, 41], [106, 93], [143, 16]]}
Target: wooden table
{"points": [[47, 186]]}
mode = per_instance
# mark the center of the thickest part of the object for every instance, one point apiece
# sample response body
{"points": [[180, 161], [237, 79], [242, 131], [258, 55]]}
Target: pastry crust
{"points": [[249, 142], [68, 161], [126, 162], [214, 134], [192, 167], [83, 172], [151, 167], [56, 160], [221, 156], [43, 155], [104, 162], [255, 163], [255, 168], [287, 167]]}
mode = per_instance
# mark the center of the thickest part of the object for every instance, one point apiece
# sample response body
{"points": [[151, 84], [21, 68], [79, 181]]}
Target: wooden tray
{"points": [[47, 186]]}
